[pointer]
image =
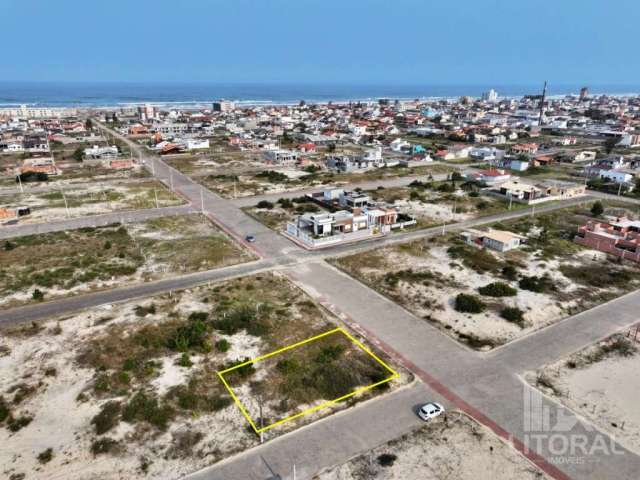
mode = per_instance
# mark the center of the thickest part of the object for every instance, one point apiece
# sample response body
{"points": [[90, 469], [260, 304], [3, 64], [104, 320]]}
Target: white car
{"points": [[430, 410]]}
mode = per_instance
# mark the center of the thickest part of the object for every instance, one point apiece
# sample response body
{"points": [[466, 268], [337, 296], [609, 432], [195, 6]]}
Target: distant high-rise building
{"points": [[223, 106], [584, 93], [147, 112], [490, 96]]}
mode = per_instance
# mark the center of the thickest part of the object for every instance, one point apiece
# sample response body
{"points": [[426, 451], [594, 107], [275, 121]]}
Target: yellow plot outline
{"points": [[328, 403]]}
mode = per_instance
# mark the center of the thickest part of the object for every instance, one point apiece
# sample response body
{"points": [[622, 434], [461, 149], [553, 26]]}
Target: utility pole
{"points": [[20, 182], [261, 419], [201, 200], [155, 194], [66, 205], [510, 201], [171, 179], [619, 188], [533, 211], [544, 97]]}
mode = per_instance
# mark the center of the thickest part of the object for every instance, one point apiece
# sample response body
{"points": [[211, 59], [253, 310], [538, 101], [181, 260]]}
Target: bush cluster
{"points": [[466, 303], [498, 289]]}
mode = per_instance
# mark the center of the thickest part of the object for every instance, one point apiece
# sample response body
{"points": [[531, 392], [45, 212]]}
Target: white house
{"points": [[398, 144], [616, 176], [196, 143]]}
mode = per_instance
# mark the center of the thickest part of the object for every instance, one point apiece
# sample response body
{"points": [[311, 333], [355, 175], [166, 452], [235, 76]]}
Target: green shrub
{"points": [[192, 335], [220, 402], [240, 372], [146, 407], [285, 203], [37, 295], [45, 456], [288, 366], [144, 311], [223, 345], [329, 354], [620, 346], [19, 423], [198, 316], [597, 209], [264, 204], [513, 315], [8, 246], [272, 176], [469, 304], [103, 445], [479, 260], [4, 409], [498, 289], [107, 418], [240, 318], [509, 272], [536, 284], [185, 361], [386, 459]]}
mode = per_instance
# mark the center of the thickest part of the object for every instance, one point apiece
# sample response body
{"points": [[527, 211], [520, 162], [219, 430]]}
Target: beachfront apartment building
{"points": [[223, 106]]}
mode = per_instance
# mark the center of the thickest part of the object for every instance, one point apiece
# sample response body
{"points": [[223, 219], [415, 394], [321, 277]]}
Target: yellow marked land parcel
{"points": [[392, 374]]}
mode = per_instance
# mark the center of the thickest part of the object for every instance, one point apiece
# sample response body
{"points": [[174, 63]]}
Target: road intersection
{"points": [[487, 386]]}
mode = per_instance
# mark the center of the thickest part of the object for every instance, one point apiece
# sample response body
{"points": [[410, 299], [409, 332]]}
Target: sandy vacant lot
{"points": [[453, 448], [76, 261], [510, 294], [270, 181], [601, 383], [131, 391], [435, 203], [93, 200]]}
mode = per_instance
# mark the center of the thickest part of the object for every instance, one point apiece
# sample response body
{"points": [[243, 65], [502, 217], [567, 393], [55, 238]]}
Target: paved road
{"points": [[288, 259], [63, 306], [228, 216], [486, 386], [125, 216], [323, 443]]}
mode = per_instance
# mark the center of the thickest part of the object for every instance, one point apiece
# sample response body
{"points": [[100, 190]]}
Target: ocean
{"points": [[72, 94]]}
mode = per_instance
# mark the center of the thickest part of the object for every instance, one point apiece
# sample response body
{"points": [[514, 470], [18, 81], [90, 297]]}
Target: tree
{"points": [[455, 177], [597, 209], [88, 125], [610, 143], [78, 154]]}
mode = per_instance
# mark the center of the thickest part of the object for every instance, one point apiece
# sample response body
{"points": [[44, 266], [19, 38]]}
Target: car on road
{"points": [[250, 238], [430, 410]]}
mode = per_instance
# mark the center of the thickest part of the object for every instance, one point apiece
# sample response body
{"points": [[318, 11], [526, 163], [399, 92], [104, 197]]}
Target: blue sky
{"points": [[321, 41]]}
